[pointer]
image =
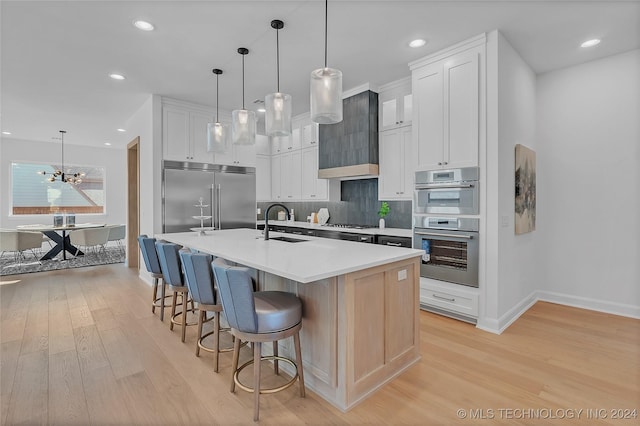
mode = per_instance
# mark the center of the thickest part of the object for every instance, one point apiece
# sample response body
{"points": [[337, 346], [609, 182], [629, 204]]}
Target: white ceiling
{"points": [[56, 55]]}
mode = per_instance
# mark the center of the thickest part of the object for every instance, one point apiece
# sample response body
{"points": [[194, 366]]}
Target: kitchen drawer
{"points": [[388, 240], [462, 302]]}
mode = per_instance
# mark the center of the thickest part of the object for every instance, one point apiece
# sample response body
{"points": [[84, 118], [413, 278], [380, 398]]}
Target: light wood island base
{"points": [[359, 330]]}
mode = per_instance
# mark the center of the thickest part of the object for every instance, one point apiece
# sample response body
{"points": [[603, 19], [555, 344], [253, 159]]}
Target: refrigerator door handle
{"points": [[219, 199], [212, 205]]}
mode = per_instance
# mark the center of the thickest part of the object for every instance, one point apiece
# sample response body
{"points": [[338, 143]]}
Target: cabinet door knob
{"points": [[439, 163], [445, 163]]}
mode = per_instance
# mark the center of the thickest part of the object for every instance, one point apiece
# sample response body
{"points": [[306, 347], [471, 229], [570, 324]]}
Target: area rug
{"points": [[8, 265]]}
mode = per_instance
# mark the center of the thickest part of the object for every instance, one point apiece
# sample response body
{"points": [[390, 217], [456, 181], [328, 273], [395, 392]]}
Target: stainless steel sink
{"points": [[288, 239]]}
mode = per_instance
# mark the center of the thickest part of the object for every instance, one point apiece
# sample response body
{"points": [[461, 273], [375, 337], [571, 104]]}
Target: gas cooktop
{"points": [[349, 226]]}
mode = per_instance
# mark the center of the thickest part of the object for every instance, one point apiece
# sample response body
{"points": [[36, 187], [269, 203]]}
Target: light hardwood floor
{"points": [[82, 347]]}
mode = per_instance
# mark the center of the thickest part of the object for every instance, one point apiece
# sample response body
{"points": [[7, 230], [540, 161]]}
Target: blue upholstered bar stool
{"points": [[148, 250], [257, 317], [199, 277], [172, 274]]}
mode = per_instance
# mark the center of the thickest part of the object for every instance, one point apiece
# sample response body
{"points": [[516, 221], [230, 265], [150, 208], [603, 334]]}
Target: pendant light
{"points": [[326, 88], [217, 133], [243, 125], [277, 105]]}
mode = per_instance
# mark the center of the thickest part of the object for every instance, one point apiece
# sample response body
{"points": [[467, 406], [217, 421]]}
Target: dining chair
{"points": [[117, 234], [92, 239], [18, 242]]}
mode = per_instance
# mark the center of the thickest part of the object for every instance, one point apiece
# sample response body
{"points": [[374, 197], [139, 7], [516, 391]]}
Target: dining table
{"points": [[60, 235]]}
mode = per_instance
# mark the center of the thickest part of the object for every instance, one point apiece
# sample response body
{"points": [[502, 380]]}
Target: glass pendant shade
{"points": [[243, 127], [217, 137], [278, 114], [326, 96]]}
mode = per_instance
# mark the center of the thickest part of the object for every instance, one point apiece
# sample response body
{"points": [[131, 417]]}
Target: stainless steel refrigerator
{"points": [[229, 191]]}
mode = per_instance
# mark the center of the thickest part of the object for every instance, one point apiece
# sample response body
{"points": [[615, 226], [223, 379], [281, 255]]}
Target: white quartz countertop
{"points": [[311, 260], [393, 232]]}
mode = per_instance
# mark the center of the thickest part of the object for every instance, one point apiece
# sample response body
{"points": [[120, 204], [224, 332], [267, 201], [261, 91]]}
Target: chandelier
{"points": [[69, 177]]}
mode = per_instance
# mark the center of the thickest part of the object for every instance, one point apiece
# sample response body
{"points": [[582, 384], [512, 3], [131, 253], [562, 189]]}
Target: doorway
{"points": [[133, 202]]}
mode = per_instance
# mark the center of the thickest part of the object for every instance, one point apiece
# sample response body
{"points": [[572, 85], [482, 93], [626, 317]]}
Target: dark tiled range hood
{"points": [[350, 148]]}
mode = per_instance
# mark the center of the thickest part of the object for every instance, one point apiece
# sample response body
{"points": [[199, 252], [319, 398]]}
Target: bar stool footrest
{"points": [[268, 390], [176, 315], [210, 349]]}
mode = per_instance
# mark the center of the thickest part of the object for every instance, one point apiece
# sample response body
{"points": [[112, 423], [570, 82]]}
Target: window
{"points": [[32, 193]]}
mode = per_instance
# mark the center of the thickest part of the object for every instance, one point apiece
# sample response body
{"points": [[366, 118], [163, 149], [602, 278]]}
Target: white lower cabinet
{"points": [[397, 164], [453, 298]]}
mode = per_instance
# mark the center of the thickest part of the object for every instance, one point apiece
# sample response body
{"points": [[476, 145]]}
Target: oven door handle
{"points": [[435, 234], [441, 186]]}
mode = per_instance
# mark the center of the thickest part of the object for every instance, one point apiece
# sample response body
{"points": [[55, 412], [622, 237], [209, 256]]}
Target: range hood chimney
{"points": [[349, 149]]}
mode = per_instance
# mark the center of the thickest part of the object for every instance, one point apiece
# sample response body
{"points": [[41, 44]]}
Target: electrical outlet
{"points": [[402, 275], [504, 221], [258, 211]]}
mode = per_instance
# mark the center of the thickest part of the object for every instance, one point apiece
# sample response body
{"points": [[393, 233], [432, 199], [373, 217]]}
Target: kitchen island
{"points": [[360, 304]]}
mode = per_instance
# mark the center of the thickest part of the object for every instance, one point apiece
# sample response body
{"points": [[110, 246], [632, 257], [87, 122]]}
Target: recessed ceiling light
{"points": [[116, 76], [143, 25], [417, 42], [591, 43], [262, 110], [121, 130], [6, 133], [107, 143]]}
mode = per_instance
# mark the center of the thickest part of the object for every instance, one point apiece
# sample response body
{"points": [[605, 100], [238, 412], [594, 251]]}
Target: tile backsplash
{"points": [[359, 205]]}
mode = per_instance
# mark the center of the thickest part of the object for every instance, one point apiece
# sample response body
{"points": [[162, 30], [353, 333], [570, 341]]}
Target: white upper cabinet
{"points": [[276, 174], [447, 102], [263, 147], [291, 176], [312, 187], [263, 177], [237, 155], [184, 134], [397, 164], [310, 135], [291, 142], [395, 105]]}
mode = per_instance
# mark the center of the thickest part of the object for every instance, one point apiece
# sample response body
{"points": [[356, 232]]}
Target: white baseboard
{"points": [[614, 308], [144, 276], [497, 326]]}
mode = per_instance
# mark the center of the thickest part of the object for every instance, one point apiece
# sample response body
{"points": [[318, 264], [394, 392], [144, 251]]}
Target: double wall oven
{"points": [[442, 200]]}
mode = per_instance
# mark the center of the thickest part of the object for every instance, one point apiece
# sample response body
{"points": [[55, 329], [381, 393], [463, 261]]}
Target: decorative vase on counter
{"points": [[381, 223]]}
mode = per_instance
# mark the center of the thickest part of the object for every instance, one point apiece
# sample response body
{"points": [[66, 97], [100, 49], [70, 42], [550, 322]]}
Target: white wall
{"points": [[588, 140], [511, 108], [517, 111], [112, 159]]}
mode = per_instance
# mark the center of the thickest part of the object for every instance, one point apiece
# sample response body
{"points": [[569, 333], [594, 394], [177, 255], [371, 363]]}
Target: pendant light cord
{"points": [[326, 15], [62, 132], [217, 96], [242, 81], [278, 60]]}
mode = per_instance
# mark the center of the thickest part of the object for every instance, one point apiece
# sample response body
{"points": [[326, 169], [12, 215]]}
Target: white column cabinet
{"points": [[397, 164], [446, 108]]}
